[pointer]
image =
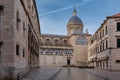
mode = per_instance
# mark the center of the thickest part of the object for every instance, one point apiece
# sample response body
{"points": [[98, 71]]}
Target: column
{"points": [[54, 59], [44, 59]]}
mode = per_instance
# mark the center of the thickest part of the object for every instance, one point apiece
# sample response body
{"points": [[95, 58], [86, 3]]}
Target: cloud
{"points": [[68, 7]]}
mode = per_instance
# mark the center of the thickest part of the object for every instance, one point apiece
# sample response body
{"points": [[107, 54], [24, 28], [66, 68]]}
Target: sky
{"points": [[55, 14]]}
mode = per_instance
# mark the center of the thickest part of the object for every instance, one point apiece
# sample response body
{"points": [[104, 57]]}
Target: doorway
{"points": [[68, 61]]}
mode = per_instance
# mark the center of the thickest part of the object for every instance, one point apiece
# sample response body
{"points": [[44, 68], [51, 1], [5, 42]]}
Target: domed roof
{"points": [[75, 19], [116, 15]]}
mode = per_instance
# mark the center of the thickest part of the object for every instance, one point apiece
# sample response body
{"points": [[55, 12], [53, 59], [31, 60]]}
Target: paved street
{"points": [[75, 74], [62, 74]]}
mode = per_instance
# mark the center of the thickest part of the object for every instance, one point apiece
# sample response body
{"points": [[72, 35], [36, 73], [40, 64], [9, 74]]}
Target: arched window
{"points": [[80, 40], [65, 42], [56, 42], [47, 41]]}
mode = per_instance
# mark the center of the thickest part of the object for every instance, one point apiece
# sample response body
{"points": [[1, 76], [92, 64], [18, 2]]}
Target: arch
{"points": [[56, 41], [47, 41], [65, 42]]}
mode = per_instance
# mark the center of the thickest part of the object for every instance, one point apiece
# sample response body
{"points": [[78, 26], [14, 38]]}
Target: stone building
{"points": [[70, 49], [104, 46], [19, 37]]}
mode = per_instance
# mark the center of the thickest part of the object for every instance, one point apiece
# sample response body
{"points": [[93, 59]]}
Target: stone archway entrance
{"points": [[68, 61]]}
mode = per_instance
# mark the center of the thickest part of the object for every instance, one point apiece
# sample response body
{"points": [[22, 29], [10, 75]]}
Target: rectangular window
{"points": [[17, 49], [0, 55], [97, 37], [118, 43], [106, 30], [24, 29], [106, 44], [1, 12], [103, 46], [118, 26], [1, 9], [100, 48], [17, 20], [23, 52], [100, 35], [117, 61], [0, 15], [103, 33]]}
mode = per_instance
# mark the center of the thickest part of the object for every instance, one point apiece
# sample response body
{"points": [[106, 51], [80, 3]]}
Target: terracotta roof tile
{"points": [[116, 15]]}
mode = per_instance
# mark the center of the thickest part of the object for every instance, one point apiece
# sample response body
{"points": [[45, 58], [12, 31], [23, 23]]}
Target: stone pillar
{"points": [[54, 59], [44, 59]]}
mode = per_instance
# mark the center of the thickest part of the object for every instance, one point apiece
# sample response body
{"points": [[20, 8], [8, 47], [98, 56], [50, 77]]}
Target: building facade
{"points": [[104, 46], [70, 49], [19, 37]]}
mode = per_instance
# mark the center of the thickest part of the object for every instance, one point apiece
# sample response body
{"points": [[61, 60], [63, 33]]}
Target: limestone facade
{"points": [[104, 46], [19, 37], [70, 49]]}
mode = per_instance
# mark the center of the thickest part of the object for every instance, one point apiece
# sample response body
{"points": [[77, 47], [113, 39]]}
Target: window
{"points": [[23, 52], [117, 61], [65, 42], [100, 35], [17, 20], [118, 26], [103, 33], [47, 41], [100, 64], [1, 11], [100, 48], [118, 43], [17, 49], [103, 45], [0, 55], [106, 44], [106, 30], [1, 8], [24, 29], [97, 49], [56, 42], [81, 40]]}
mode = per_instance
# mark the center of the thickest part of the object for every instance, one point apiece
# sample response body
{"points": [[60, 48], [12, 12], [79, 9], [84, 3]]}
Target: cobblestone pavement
{"points": [[67, 73], [109, 75]]}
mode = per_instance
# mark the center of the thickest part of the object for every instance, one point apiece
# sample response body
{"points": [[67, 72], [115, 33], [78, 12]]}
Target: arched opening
{"points": [[68, 61], [56, 42]]}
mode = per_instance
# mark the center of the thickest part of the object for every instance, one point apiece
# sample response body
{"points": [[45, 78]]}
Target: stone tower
{"points": [[75, 25], [78, 39]]}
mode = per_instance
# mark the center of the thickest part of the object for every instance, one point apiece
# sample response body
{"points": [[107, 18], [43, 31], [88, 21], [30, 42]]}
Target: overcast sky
{"points": [[54, 14]]}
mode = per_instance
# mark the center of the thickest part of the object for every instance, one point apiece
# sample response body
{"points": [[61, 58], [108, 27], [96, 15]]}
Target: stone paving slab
{"points": [[42, 73], [108, 75]]}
